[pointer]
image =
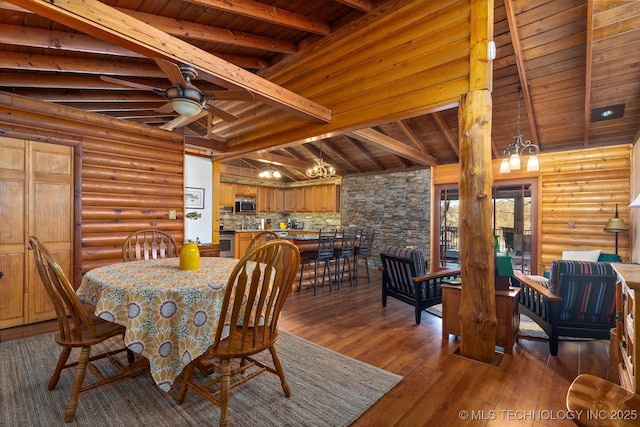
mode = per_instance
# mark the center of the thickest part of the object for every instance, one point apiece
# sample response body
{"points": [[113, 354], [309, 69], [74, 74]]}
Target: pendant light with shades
{"points": [[514, 151]]}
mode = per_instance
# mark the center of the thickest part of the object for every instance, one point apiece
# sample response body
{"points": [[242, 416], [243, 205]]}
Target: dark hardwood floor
{"points": [[527, 388]]}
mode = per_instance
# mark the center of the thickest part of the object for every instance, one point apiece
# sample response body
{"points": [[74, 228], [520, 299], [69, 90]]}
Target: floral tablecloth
{"points": [[170, 314]]}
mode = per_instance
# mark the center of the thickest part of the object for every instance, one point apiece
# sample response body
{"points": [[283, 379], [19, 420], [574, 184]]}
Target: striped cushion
{"points": [[413, 254], [590, 302]]}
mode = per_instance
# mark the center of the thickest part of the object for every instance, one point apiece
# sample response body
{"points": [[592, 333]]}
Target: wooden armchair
{"points": [[405, 278], [577, 301]]}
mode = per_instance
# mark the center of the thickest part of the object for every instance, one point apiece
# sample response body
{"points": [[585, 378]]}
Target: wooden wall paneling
{"points": [[581, 187], [422, 69], [125, 168], [128, 186]]}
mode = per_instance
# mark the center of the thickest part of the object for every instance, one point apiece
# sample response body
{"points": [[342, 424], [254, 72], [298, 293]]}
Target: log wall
{"points": [[130, 175], [578, 191]]}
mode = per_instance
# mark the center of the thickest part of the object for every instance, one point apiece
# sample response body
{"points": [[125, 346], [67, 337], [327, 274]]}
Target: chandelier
{"points": [[269, 174], [513, 152], [321, 169]]}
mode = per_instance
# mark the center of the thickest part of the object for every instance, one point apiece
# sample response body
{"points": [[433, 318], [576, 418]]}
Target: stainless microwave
{"points": [[245, 207]]}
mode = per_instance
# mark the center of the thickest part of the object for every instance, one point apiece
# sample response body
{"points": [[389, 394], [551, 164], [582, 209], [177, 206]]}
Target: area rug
{"points": [[327, 389]]}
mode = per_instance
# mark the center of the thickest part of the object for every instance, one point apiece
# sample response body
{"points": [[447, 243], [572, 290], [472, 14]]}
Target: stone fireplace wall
{"points": [[397, 205]]}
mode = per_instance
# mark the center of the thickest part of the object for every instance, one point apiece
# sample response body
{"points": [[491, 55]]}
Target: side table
{"points": [[507, 314]]}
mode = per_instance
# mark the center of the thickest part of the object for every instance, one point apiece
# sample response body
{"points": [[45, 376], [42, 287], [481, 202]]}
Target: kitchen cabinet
{"points": [[246, 190], [305, 199], [289, 200], [270, 199], [312, 198], [243, 239], [227, 194], [627, 328], [327, 198]]}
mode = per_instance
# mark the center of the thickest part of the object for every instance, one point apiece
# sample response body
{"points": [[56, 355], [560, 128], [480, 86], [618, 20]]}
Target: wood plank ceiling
{"points": [[570, 58]]}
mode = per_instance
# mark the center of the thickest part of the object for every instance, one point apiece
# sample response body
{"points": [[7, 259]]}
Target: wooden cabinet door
{"points": [[242, 243], [263, 199], [246, 190], [289, 200], [278, 200], [270, 199], [13, 215], [327, 198], [36, 187], [227, 194], [305, 198]]}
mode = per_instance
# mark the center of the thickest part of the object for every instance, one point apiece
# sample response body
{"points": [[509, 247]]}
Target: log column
{"points": [[478, 305]]}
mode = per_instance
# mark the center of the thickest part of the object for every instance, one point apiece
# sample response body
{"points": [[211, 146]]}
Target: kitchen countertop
{"points": [[256, 230]]}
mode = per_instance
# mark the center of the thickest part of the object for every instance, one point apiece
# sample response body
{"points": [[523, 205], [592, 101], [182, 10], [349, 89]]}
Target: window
{"points": [[514, 218]]}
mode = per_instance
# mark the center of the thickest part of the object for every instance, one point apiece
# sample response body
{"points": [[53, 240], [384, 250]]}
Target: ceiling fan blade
{"points": [[224, 115], [231, 95], [127, 83], [172, 71], [181, 121], [165, 108]]}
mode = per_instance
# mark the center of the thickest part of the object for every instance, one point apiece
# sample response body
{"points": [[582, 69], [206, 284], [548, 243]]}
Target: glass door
{"points": [[514, 223]]}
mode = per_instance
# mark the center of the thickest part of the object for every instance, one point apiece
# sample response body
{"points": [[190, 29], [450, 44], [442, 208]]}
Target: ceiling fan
{"points": [[184, 97]]}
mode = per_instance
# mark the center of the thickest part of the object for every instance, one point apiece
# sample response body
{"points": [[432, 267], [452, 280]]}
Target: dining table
{"points": [[170, 315]]}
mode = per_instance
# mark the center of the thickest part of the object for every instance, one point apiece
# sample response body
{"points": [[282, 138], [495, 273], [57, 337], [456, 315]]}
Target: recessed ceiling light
{"points": [[607, 113]]}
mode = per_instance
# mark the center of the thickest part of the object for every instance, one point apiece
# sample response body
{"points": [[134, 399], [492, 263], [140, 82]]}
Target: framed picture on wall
{"points": [[194, 198]]}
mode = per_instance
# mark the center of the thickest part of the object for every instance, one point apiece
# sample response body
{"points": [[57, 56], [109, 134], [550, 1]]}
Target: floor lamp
{"points": [[616, 225]]}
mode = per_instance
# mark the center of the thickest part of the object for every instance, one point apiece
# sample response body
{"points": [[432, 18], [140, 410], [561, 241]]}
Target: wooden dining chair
{"points": [[79, 328], [261, 238], [254, 296], [149, 244]]}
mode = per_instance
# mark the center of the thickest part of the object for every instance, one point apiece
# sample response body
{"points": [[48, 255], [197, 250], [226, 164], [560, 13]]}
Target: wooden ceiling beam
{"points": [[317, 152], [522, 71], [266, 13], [393, 145], [442, 125], [207, 33], [5, 5], [47, 80], [275, 159], [361, 5], [341, 155], [106, 23], [129, 107], [83, 96], [169, 25], [216, 146], [360, 147], [411, 135], [35, 37]]}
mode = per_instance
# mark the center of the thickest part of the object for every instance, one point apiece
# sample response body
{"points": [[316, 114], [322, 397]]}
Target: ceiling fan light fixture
{"points": [[185, 107]]}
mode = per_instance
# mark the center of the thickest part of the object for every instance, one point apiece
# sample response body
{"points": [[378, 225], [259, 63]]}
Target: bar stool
{"points": [[363, 249], [345, 253], [324, 254]]}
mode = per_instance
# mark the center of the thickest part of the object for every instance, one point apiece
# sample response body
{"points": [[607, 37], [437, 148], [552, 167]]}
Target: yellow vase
{"points": [[189, 256]]}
